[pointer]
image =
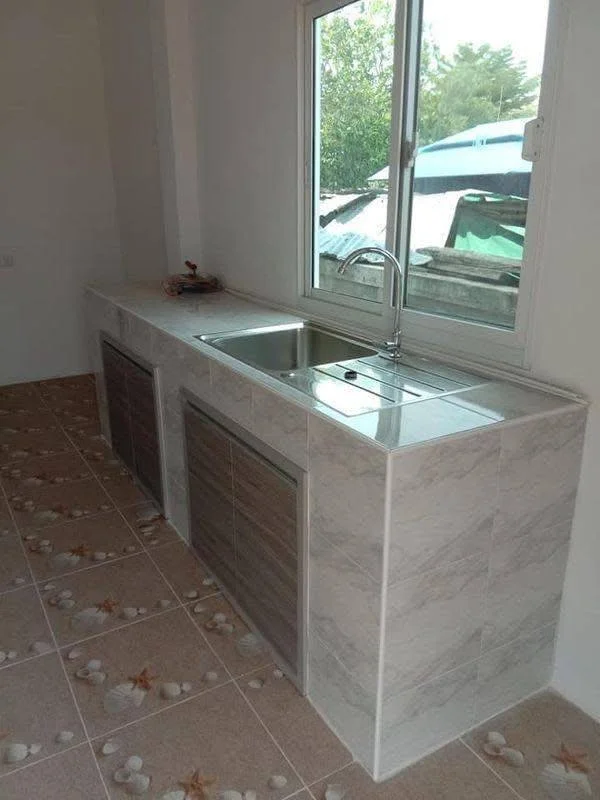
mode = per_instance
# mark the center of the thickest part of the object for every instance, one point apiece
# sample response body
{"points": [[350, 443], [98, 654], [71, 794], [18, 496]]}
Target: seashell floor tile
{"points": [[43, 471], [24, 631], [452, 773], [214, 736], [118, 482], [15, 423], [149, 525], [167, 650], [96, 597], [71, 383], [150, 670], [16, 449], [90, 443], [78, 544], [14, 570], [229, 645], [539, 728], [38, 506], [183, 571], [307, 741], [69, 776], [36, 705]]}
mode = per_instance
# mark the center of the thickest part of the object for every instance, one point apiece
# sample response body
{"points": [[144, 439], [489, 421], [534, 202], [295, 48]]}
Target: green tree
{"points": [[356, 83], [473, 86]]}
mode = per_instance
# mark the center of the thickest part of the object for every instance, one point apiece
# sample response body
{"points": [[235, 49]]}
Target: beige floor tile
{"points": [[117, 481], [231, 647], [62, 402], [452, 773], [14, 571], [53, 504], [170, 650], [215, 734], [72, 383], [77, 544], [76, 417], [23, 628], [184, 572], [149, 524], [44, 471], [27, 405], [91, 444], [68, 776], [100, 596], [29, 445], [36, 705], [537, 728], [6, 523], [305, 739], [13, 425], [18, 390]]}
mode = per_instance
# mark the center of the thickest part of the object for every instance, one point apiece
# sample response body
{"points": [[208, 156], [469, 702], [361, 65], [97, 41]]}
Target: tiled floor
{"points": [[115, 642]]}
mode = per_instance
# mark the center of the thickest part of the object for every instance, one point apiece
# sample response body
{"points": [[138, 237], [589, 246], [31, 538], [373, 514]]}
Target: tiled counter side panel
{"points": [[503, 500]]}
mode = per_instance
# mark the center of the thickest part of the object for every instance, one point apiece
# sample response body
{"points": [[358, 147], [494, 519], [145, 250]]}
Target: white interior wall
{"points": [[126, 40], [566, 334], [56, 190], [248, 93]]}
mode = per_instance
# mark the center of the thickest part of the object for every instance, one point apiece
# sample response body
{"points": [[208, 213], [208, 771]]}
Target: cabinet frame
{"points": [[154, 373], [297, 673]]}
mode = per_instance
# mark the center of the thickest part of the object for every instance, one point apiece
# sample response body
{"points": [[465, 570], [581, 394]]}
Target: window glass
{"points": [[464, 199], [479, 81], [354, 67]]}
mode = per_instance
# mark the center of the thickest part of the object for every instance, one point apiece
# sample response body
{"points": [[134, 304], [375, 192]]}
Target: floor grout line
{"points": [[208, 690], [273, 739], [490, 768], [58, 655]]}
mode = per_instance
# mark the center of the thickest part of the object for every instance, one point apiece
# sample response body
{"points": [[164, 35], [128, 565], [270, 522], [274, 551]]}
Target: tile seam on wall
{"points": [[383, 615]]}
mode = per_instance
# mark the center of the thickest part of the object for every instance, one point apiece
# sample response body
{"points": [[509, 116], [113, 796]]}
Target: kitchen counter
{"points": [[150, 311], [437, 532]]}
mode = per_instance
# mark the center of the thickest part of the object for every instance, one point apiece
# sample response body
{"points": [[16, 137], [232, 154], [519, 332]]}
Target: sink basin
{"points": [[283, 349]]}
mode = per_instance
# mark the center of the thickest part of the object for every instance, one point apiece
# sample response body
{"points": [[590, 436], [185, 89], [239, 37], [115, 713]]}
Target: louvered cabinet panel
{"points": [[115, 375], [132, 416], [266, 529], [144, 430], [211, 496]]}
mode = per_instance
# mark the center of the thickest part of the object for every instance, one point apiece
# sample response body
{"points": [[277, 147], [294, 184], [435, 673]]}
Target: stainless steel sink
{"points": [[283, 349], [346, 374]]}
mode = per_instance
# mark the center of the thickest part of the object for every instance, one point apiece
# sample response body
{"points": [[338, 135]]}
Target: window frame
{"points": [[421, 330]]}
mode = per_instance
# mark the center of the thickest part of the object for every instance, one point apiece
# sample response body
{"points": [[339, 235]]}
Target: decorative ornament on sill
{"points": [[191, 282]]}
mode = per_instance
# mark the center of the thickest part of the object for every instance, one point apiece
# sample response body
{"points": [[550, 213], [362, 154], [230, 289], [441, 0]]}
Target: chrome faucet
{"points": [[393, 351]]}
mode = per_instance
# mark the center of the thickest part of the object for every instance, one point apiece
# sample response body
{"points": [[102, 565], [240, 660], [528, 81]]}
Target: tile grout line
{"points": [[109, 734], [491, 769], [181, 604], [58, 655], [273, 739]]}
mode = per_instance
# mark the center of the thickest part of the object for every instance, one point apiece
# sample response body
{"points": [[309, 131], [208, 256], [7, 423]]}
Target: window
{"points": [[418, 115]]}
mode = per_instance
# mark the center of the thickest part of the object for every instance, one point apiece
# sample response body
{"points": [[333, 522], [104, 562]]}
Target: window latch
{"points": [[532, 139], [409, 153]]}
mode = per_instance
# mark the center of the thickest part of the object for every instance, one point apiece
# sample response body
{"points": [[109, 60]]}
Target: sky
{"points": [[520, 23]]}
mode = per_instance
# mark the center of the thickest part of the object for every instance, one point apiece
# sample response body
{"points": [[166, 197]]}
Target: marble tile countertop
{"points": [[492, 402]]}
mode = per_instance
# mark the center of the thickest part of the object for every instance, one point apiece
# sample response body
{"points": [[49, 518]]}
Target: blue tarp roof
{"points": [[490, 149]]}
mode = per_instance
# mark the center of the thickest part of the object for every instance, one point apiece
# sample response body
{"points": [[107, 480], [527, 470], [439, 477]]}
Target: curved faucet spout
{"points": [[393, 346]]}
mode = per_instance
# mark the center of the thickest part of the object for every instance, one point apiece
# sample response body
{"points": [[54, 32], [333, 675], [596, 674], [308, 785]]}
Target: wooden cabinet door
{"points": [[116, 368], [144, 430], [266, 528], [211, 496]]}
